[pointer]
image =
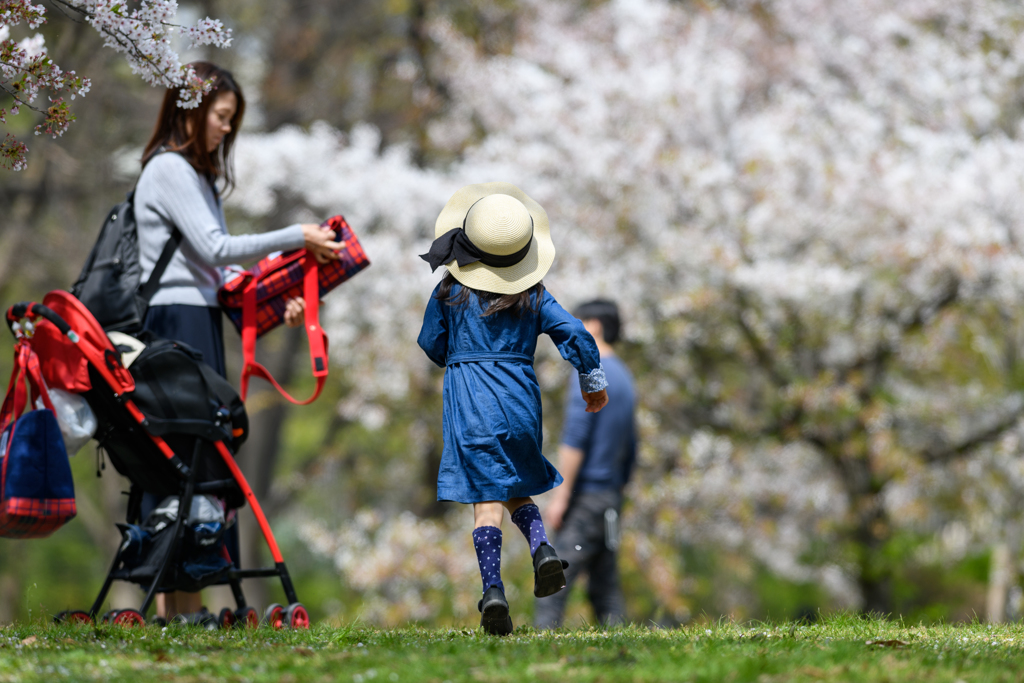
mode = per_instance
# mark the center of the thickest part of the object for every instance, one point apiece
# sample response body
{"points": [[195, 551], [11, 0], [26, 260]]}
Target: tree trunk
{"points": [[877, 594], [8, 597], [872, 530], [1000, 578], [875, 580]]}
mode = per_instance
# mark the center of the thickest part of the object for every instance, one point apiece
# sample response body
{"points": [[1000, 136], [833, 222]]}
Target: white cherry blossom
{"points": [[810, 212], [141, 31]]}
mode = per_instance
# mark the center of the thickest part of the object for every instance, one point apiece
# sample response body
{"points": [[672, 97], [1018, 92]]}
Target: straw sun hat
{"points": [[494, 238]]}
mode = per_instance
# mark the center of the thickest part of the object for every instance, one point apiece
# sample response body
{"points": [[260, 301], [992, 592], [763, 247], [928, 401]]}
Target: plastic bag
{"points": [[206, 518], [205, 509], [75, 417]]}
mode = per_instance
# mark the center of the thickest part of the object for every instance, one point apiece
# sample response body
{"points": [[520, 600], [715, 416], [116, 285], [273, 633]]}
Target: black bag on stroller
{"points": [[187, 404]]}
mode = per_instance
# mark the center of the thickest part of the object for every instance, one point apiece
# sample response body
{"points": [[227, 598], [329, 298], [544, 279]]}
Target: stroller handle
{"points": [[30, 308]]}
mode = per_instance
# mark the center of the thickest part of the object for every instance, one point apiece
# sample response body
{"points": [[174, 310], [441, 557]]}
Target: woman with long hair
{"points": [[185, 166]]}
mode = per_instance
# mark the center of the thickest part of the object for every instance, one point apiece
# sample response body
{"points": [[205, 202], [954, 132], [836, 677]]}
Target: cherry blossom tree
{"points": [[810, 211], [140, 29]]}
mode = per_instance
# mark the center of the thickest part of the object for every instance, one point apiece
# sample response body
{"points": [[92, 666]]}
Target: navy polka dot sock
{"points": [[487, 540], [527, 518]]}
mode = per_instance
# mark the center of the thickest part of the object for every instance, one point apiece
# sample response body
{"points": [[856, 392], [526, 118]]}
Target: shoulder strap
{"points": [[317, 337], [149, 289]]}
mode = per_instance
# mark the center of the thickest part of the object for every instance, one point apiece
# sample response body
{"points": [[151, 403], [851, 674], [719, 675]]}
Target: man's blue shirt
{"points": [[607, 438]]}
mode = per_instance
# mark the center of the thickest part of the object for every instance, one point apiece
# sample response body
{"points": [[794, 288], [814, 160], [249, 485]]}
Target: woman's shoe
{"points": [[494, 616], [548, 571]]}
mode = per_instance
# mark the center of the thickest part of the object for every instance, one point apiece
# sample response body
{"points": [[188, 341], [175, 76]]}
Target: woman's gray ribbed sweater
{"points": [[169, 193]]}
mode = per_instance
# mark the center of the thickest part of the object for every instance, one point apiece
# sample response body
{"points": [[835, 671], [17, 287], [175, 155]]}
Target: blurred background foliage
{"points": [[347, 62]]}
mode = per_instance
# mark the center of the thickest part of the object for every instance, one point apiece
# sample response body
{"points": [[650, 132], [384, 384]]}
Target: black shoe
{"points": [[494, 616], [548, 572]]}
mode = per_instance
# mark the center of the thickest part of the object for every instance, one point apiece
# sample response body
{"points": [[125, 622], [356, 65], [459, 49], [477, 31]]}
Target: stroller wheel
{"points": [[296, 616], [247, 617], [158, 621], [226, 618], [72, 616], [274, 616], [107, 616], [128, 618]]}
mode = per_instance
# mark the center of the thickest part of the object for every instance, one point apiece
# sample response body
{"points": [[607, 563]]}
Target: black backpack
{"points": [[109, 284]]}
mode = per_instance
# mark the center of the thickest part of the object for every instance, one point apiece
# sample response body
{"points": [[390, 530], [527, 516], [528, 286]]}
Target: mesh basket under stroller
{"points": [[171, 425]]}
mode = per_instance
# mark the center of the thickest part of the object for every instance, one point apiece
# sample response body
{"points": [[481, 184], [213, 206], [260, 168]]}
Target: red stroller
{"points": [[171, 426]]}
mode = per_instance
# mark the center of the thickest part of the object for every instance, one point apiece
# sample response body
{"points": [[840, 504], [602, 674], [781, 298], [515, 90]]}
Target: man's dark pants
{"points": [[582, 542]]}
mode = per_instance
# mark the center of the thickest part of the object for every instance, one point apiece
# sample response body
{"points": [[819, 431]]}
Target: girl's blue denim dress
{"points": [[492, 406]]}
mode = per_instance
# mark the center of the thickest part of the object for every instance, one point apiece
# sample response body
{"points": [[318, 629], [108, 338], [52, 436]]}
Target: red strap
{"points": [[14, 404], [14, 401], [317, 337], [26, 369], [36, 382]]}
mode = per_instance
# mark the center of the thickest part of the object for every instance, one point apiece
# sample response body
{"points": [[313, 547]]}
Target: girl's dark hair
{"points": [[172, 126], [519, 304]]}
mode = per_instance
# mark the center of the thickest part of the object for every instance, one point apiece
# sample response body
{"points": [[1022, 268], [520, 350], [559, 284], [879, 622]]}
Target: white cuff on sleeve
{"points": [[594, 381]]}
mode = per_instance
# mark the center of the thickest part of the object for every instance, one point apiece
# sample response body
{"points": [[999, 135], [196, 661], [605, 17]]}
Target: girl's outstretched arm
{"points": [[576, 346]]}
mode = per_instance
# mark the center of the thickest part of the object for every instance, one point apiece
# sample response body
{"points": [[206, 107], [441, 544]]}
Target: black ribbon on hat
{"points": [[455, 245]]}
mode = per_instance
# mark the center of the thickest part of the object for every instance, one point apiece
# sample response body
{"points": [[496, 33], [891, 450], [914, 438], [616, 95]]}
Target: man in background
{"points": [[595, 458]]}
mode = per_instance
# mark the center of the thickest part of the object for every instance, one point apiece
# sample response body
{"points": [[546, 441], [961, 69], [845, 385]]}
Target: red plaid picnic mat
{"points": [[255, 300]]}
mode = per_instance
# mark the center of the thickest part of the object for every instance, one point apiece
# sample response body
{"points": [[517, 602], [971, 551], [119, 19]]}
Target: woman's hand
{"points": [[596, 400], [321, 242], [294, 312]]}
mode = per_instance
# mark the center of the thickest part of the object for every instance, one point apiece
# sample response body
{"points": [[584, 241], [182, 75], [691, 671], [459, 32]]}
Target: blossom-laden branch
{"points": [[143, 34]]}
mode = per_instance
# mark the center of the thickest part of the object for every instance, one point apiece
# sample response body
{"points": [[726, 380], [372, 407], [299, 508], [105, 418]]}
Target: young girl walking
{"points": [[482, 324]]}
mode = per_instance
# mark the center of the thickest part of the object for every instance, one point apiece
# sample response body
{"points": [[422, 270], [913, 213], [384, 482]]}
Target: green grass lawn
{"points": [[838, 649]]}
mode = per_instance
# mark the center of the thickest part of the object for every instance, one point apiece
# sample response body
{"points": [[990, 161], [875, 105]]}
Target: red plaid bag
{"points": [[37, 492], [255, 301]]}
